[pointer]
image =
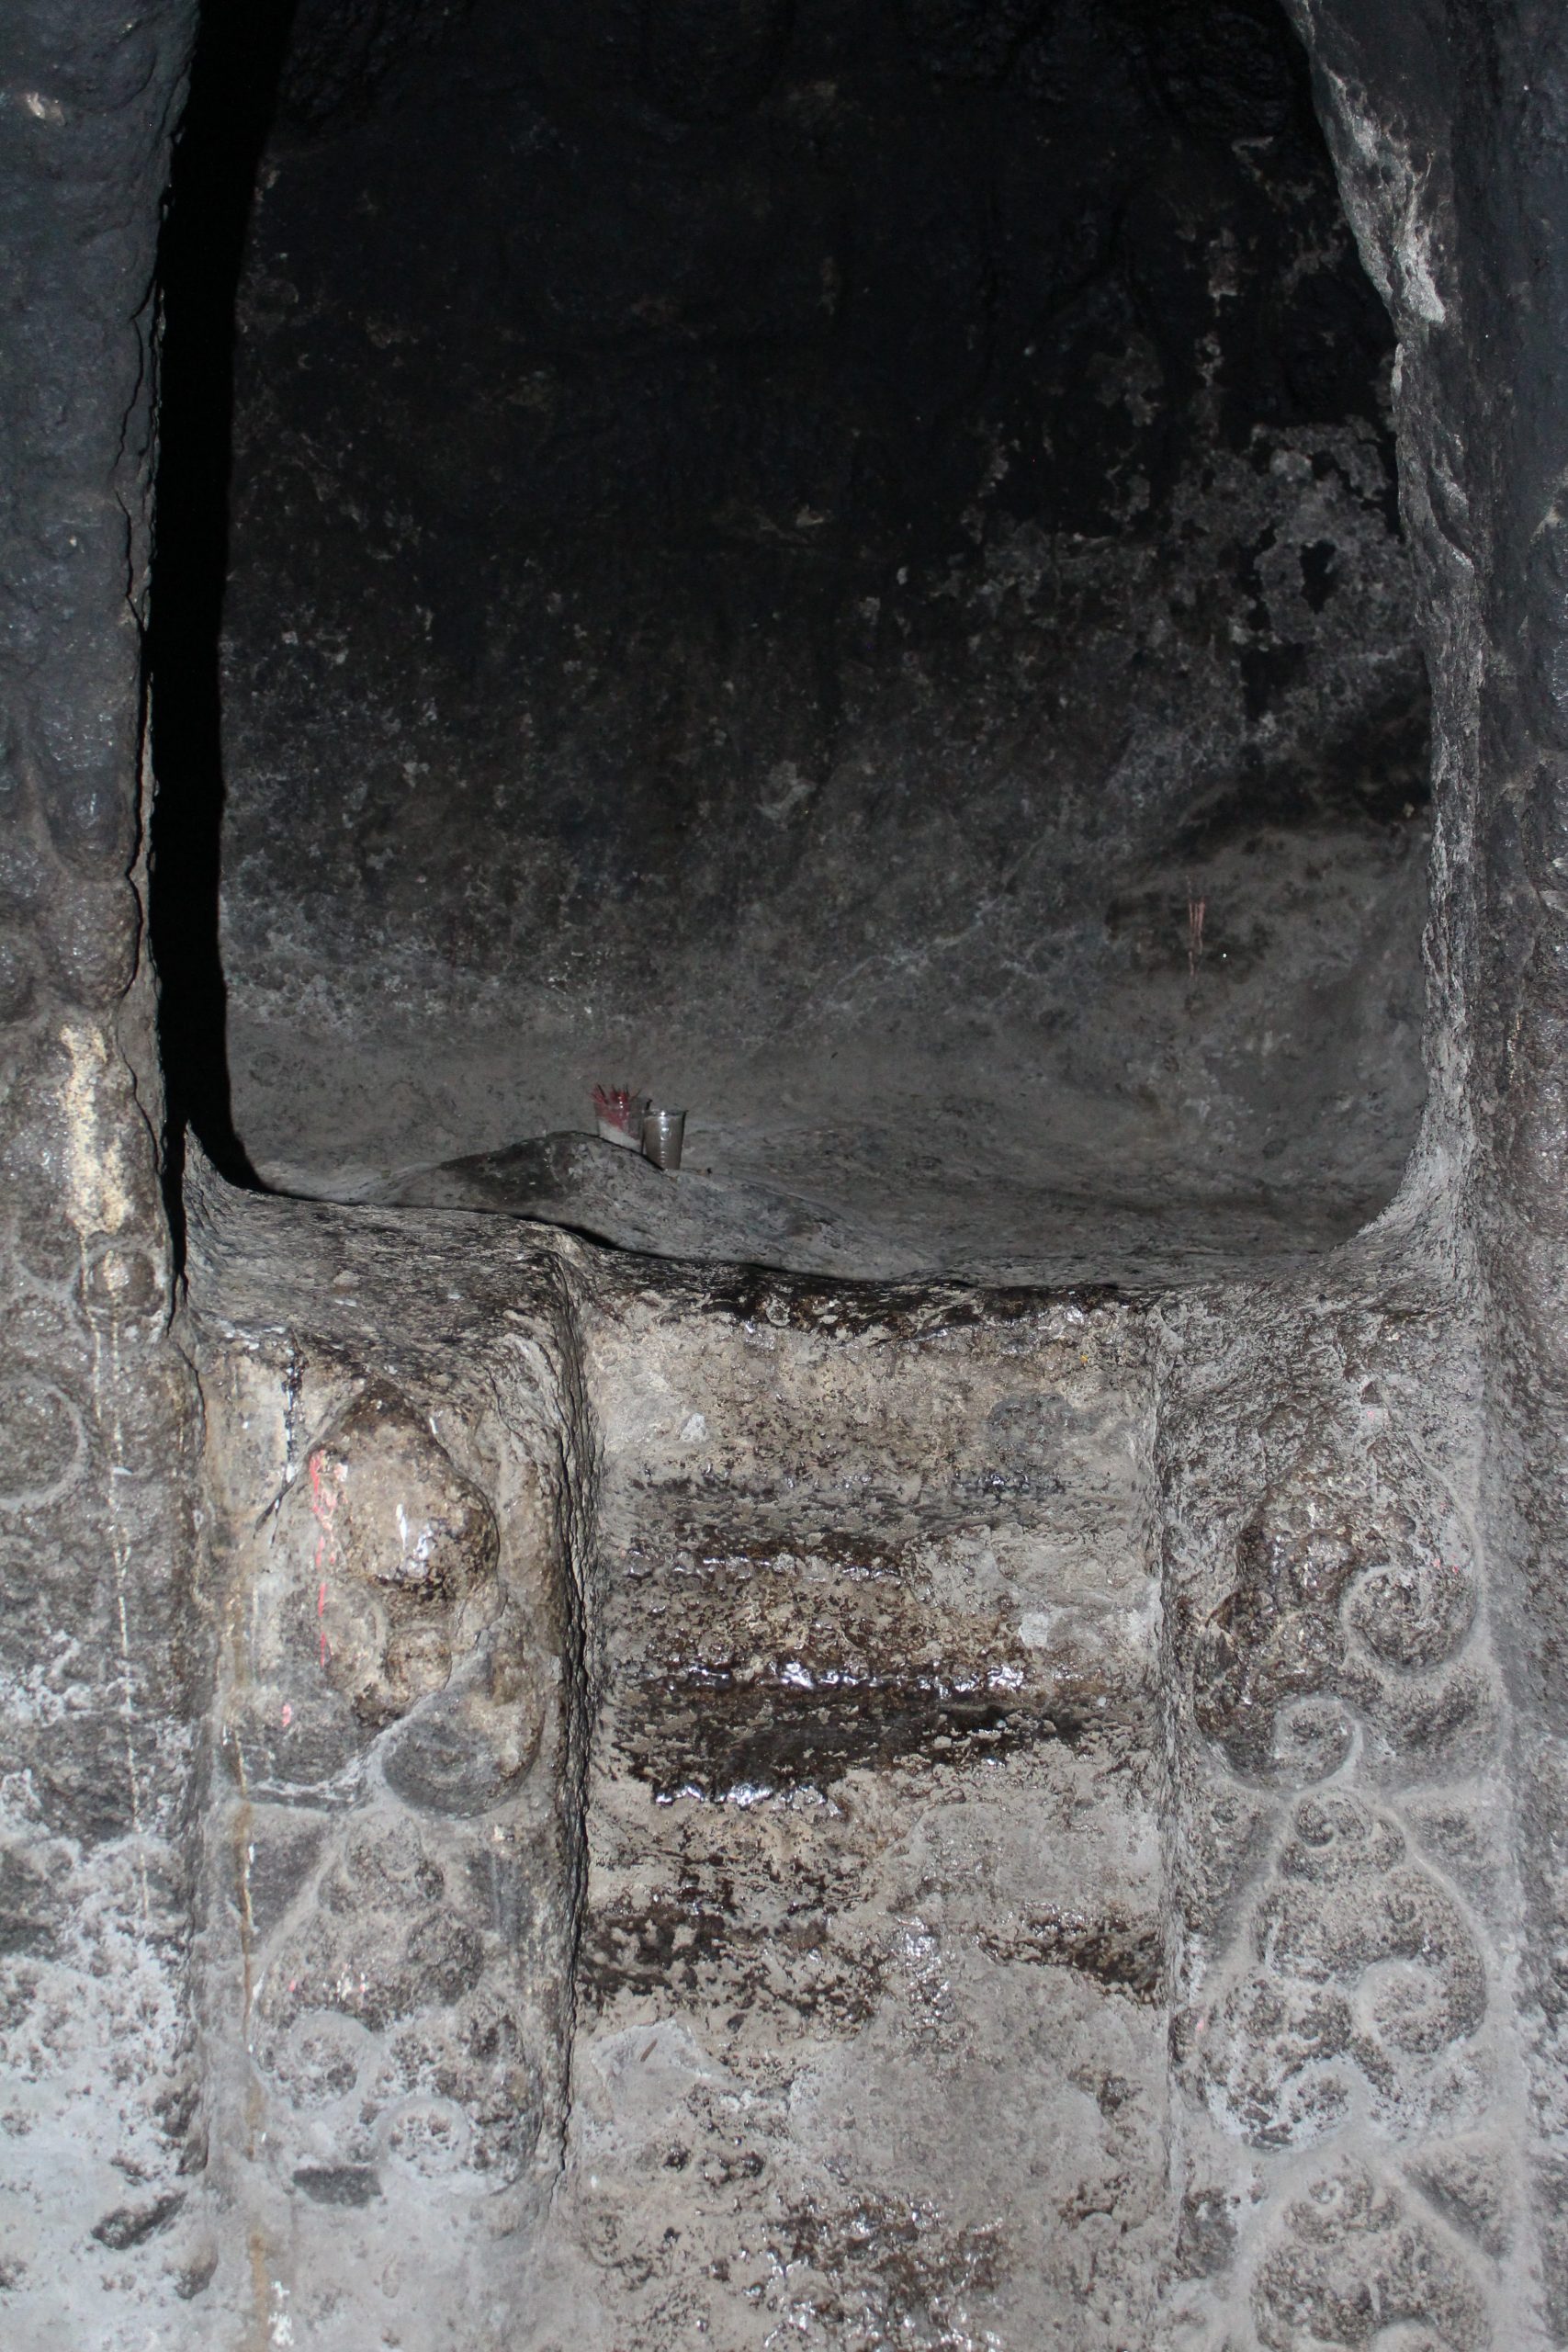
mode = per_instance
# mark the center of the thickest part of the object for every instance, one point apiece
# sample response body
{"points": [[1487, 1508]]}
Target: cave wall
{"points": [[1351, 1484], [773, 552], [1448, 129], [97, 1412]]}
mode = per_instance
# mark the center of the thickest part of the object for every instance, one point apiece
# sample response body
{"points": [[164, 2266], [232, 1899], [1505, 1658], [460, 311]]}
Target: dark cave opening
{"points": [[838, 563]]}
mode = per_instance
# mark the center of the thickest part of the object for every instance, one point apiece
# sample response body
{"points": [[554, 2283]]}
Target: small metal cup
{"points": [[663, 1136]]}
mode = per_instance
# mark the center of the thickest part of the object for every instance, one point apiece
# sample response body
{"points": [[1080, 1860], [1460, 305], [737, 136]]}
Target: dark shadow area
{"points": [[229, 113], [834, 561]]}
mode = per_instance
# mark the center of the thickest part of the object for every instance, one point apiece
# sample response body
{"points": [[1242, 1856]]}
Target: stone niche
{"points": [[942, 1729], [838, 565]]}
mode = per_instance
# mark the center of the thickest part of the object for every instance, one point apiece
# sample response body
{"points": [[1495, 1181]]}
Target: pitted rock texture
{"points": [[838, 563], [1343, 2025], [1345, 2148], [1447, 126], [831, 1903], [1357, 1958], [393, 1841], [1016, 1847], [1361, 2264], [1333, 1587], [874, 1888], [98, 2138]]}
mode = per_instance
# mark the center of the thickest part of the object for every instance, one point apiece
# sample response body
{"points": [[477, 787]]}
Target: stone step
{"points": [[870, 2033]]}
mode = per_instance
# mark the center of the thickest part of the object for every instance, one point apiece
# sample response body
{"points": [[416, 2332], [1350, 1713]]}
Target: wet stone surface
{"points": [[871, 2042], [776, 1803]]}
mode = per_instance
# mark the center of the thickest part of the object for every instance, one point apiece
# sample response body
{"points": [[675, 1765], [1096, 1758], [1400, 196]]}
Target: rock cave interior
{"points": [[944, 1728], [836, 564]]}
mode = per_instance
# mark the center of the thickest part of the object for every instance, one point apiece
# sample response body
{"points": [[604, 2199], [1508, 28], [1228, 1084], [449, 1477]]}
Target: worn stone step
{"points": [[875, 1879]]}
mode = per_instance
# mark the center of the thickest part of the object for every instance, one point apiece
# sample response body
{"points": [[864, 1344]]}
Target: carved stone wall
{"points": [[997, 1823], [1343, 2028], [627, 1731], [747, 1803], [685, 1854], [98, 2123], [393, 1840], [1448, 126]]}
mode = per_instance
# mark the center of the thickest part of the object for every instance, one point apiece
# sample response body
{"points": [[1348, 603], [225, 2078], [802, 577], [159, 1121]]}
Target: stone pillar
{"points": [[400, 1493], [1345, 2124], [1451, 128], [95, 1420]]}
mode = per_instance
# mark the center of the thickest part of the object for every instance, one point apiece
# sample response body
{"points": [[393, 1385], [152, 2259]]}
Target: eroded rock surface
{"points": [[905, 1812], [393, 1845], [690, 1745], [99, 1653], [629, 1824], [874, 1821], [1344, 2033], [840, 564]]}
